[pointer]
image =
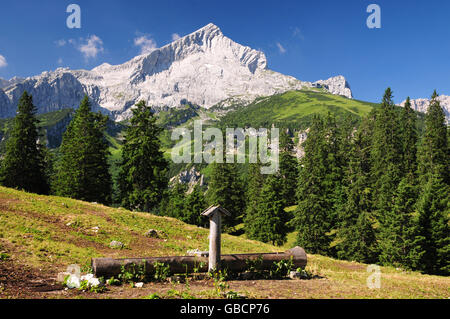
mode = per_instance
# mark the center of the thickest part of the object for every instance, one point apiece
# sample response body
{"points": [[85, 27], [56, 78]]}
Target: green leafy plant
{"points": [[162, 271], [133, 273], [281, 269], [4, 256]]}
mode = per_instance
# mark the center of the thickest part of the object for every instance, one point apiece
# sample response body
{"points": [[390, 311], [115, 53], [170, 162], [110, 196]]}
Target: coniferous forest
{"points": [[375, 192]]}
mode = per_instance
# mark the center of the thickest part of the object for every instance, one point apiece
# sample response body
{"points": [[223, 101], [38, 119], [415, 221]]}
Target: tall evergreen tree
{"points": [[173, 202], [409, 140], [81, 170], [397, 243], [195, 204], [314, 218], [269, 224], [142, 177], [24, 166], [288, 169], [356, 235], [254, 186], [386, 155], [226, 189], [434, 156], [434, 203]]}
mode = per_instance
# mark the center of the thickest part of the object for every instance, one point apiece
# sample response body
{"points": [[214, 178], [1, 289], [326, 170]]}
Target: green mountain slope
{"points": [[46, 234], [294, 110]]}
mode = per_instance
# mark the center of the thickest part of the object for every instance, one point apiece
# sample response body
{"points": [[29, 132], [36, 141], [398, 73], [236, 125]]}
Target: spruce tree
{"points": [[225, 189], [142, 177], [24, 166], [255, 183], [195, 204], [288, 169], [434, 156], [174, 200], [409, 139], [397, 241], [386, 155], [269, 225], [434, 203], [356, 239], [314, 217], [81, 171]]}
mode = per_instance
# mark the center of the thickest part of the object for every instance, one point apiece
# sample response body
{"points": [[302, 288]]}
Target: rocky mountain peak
{"points": [[204, 67]]}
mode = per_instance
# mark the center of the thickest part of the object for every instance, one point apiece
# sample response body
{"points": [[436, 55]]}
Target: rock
{"points": [[62, 276], [298, 275], [91, 280], [153, 233], [198, 253], [191, 178], [139, 285], [336, 85], [73, 282], [206, 66], [116, 244], [421, 105]]}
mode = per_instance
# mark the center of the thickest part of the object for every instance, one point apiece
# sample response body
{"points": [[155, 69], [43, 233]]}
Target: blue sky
{"points": [[309, 40]]}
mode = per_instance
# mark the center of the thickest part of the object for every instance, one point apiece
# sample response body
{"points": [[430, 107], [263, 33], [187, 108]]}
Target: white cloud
{"points": [[175, 37], [60, 61], [281, 48], [146, 44], [3, 62], [60, 43], [92, 47]]}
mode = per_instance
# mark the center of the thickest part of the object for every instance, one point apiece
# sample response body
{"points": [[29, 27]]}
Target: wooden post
{"points": [[215, 229]]}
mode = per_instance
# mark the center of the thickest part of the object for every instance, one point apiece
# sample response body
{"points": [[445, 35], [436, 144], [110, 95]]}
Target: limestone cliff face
{"points": [[421, 105], [204, 67]]}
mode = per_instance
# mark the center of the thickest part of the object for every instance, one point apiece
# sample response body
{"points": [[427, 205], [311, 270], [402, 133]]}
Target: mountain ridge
{"points": [[204, 68], [421, 105]]}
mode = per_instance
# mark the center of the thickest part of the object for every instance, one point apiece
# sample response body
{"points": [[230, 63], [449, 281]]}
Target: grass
{"points": [[51, 233], [294, 110]]}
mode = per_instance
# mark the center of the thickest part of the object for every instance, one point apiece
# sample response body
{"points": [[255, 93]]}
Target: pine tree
{"points": [[24, 166], [255, 183], [288, 169], [409, 139], [142, 177], [398, 244], [397, 241], [434, 156], [386, 155], [195, 204], [432, 234], [314, 218], [269, 224], [81, 170], [225, 189], [173, 203], [356, 235], [434, 203]]}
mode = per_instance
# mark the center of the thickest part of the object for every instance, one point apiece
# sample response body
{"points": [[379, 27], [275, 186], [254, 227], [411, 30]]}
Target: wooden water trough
{"points": [[109, 267]]}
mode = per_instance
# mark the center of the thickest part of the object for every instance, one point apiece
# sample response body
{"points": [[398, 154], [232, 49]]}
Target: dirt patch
{"points": [[19, 281]]}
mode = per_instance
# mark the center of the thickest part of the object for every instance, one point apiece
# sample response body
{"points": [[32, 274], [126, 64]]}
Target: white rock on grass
{"points": [[91, 280], [116, 244]]}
